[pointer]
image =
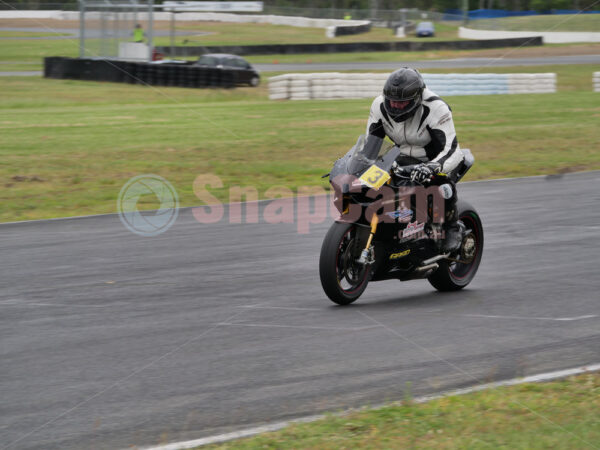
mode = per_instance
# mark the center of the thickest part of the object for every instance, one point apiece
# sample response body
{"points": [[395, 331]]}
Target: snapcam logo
{"points": [[148, 223]]}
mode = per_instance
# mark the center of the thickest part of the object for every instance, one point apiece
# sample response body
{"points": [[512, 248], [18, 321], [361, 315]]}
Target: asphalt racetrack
{"points": [[475, 63], [453, 63], [111, 340]]}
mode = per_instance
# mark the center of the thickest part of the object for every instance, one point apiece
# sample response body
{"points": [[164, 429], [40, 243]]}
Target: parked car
{"points": [[243, 70], [425, 29]]}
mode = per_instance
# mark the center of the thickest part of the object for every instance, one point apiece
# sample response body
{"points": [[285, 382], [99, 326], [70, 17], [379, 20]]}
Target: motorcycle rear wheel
{"points": [[342, 278], [452, 276]]}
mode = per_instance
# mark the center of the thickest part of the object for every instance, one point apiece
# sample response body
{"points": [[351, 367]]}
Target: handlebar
{"points": [[406, 169]]}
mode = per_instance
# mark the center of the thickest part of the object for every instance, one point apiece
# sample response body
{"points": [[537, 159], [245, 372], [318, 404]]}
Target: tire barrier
{"points": [[116, 71], [321, 86], [345, 29], [349, 47], [596, 81]]}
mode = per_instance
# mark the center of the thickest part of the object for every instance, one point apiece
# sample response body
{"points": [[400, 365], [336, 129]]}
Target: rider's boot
{"points": [[454, 236], [454, 229]]}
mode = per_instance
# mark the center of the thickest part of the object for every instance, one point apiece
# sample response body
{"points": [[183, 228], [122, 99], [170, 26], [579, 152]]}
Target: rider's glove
{"points": [[397, 169], [425, 172]]}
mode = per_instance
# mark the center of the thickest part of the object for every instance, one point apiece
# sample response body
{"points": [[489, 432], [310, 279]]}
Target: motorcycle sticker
{"points": [[412, 229], [375, 177], [402, 215], [400, 254]]}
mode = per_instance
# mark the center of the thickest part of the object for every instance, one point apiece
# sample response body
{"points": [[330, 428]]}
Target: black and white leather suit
{"points": [[427, 135]]}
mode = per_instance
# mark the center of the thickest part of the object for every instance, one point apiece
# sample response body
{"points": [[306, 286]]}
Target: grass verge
{"points": [[68, 146], [34, 50], [562, 414]]}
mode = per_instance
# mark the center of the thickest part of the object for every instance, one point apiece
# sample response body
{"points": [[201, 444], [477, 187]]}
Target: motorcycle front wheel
{"points": [[342, 278]]}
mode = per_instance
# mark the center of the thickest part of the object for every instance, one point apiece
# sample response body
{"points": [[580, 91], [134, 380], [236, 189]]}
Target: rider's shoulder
{"points": [[433, 101], [377, 105], [378, 100]]}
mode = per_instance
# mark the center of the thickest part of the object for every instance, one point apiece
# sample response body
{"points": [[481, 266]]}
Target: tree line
{"points": [[370, 5]]}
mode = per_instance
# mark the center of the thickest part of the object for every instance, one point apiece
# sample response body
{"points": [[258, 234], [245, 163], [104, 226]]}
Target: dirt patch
{"points": [[22, 178], [571, 169]]}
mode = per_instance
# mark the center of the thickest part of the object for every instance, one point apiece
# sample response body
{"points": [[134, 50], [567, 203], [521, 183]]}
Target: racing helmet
{"points": [[402, 93]]}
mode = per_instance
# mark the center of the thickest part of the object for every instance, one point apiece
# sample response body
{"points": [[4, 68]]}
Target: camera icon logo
{"points": [[148, 223]]}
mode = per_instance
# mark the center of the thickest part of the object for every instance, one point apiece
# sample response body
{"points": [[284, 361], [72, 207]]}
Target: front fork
{"points": [[367, 256]]}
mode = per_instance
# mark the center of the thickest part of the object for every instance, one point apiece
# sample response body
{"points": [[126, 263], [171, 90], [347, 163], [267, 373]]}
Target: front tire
{"points": [[452, 276], [343, 279]]}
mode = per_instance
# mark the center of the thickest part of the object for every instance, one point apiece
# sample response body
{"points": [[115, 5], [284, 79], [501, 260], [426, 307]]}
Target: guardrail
{"points": [[301, 86], [596, 81]]}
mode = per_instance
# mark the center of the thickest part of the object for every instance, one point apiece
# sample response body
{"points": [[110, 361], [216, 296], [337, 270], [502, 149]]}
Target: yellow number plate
{"points": [[375, 177]]}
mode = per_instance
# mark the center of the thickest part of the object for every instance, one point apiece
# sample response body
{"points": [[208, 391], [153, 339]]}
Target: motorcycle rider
{"points": [[420, 123]]}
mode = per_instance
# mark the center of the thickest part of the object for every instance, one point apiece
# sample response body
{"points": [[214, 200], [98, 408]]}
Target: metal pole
{"points": [[103, 35], [81, 28], [135, 8], [172, 32], [116, 28], [465, 12], [150, 20]]}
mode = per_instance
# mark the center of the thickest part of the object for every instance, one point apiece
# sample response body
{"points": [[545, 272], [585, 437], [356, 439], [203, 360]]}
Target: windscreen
{"points": [[365, 152]]}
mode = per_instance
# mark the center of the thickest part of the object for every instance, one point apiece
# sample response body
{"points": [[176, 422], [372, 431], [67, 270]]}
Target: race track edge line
{"points": [[548, 376]]}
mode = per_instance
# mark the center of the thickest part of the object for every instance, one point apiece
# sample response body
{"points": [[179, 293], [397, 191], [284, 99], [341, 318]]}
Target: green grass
{"points": [[68, 146], [34, 50], [560, 415], [580, 22], [19, 66]]}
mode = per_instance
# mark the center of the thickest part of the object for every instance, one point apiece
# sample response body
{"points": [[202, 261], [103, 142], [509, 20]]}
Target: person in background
{"points": [[138, 34]]}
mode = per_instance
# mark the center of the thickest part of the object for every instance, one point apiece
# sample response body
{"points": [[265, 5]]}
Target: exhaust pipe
{"points": [[427, 268], [434, 259]]}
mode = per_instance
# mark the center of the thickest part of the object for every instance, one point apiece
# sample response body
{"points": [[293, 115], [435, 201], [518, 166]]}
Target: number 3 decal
{"points": [[377, 174], [375, 177]]}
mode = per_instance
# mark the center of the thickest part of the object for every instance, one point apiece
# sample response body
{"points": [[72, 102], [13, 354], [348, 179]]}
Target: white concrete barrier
{"points": [[133, 51], [596, 81], [196, 16], [549, 37], [302, 86]]}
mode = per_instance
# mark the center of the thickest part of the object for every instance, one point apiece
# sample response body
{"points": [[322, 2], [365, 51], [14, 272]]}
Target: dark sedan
{"points": [[425, 29], [243, 71]]}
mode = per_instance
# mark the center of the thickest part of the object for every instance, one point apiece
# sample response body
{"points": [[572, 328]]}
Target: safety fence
{"points": [[301, 86], [596, 81]]}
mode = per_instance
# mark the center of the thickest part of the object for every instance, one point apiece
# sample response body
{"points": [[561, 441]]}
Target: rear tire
{"points": [[343, 280], [452, 276]]}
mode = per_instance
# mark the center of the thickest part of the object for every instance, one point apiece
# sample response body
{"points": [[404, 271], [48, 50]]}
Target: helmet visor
{"points": [[400, 110]]}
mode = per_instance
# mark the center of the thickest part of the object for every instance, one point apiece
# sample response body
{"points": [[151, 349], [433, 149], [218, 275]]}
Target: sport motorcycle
{"points": [[390, 227]]}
